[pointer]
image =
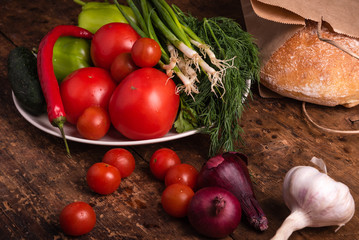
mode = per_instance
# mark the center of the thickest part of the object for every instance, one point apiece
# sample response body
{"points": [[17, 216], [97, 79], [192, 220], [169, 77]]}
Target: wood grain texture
{"points": [[37, 180]]}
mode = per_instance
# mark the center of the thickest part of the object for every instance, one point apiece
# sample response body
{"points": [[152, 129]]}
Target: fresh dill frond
{"points": [[220, 111]]}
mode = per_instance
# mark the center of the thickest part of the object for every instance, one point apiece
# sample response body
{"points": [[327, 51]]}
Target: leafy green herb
{"points": [[220, 112]]}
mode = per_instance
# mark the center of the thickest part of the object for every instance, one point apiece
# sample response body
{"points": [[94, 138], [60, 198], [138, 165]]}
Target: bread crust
{"points": [[308, 69]]}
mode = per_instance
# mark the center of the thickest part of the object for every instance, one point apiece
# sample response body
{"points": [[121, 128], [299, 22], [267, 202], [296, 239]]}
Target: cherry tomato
{"points": [[122, 159], [183, 173], [162, 160], [94, 123], [77, 218], [121, 66], [103, 178], [176, 198], [86, 87], [146, 52], [111, 40], [144, 105]]}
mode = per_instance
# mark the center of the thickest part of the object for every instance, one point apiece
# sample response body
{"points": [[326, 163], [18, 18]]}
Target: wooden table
{"points": [[37, 180]]}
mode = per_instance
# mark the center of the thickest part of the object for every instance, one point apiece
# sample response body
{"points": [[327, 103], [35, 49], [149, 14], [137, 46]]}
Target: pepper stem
{"points": [[82, 3], [59, 123]]}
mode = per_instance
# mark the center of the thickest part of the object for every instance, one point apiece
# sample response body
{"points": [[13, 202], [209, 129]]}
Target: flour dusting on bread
{"points": [[311, 70]]}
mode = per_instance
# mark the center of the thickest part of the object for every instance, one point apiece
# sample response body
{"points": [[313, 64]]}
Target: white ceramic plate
{"points": [[113, 138]]}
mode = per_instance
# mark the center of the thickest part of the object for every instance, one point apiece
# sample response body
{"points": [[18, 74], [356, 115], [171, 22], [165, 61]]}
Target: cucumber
{"points": [[24, 80]]}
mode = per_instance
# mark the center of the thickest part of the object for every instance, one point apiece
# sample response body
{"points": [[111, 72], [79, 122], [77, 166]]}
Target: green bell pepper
{"points": [[96, 14], [70, 54]]}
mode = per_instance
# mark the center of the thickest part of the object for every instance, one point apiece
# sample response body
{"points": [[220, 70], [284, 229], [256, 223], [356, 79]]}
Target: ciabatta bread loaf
{"points": [[308, 69]]}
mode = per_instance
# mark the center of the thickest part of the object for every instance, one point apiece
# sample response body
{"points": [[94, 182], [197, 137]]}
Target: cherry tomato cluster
{"points": [[104, 178], [179, 179], [145, 52], [122, 88]]}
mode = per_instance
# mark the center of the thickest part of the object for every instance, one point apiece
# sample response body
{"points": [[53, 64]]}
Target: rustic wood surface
{"points": [[37, 180]]}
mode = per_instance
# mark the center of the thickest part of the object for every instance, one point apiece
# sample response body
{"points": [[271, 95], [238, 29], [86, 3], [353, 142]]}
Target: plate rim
{"points": [[55, 132]]}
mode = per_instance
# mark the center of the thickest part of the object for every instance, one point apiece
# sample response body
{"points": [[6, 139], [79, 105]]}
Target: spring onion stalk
{"points": [[221, 64], [171, 20], [140, 19], [214, 76]]}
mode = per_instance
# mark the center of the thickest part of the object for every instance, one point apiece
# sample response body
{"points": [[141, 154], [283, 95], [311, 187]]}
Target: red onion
{"points": [[214, 212], [229, 171]]}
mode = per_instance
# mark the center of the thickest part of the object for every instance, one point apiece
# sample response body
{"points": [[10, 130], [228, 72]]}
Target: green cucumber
{"points": [[24, 80]]}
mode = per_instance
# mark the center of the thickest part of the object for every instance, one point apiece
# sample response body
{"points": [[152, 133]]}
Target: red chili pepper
{"points": [[48, 81]]}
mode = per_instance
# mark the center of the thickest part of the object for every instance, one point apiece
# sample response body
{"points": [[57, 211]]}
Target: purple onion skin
{"points": [[214, 212], [229, 171]]}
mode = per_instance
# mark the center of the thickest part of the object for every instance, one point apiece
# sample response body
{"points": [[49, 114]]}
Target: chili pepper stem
{"points": [[59, 123]]}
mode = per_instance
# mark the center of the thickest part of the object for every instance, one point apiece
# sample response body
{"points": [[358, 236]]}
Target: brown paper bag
{"points": [[273, 22]]}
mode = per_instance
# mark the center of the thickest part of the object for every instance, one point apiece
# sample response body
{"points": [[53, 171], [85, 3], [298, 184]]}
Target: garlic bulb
{"points": [[315, 200]]}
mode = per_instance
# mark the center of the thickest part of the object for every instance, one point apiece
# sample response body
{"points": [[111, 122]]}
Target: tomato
{"points": [[86, 87], [162, 160], [122, 159], [183, 173], [144, 105], [146, 52], [111, 40], [176, 198], [77, 218], [121, 66], [103, 178], [93, 123]]}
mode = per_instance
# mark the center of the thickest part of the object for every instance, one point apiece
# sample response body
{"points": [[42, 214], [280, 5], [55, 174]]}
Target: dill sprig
{"points": [[220, 112]]}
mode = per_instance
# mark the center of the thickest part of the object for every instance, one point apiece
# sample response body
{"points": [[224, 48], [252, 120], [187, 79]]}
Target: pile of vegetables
{"points": [[214, 198], [214, 59], [208, 64], [146, 69]]}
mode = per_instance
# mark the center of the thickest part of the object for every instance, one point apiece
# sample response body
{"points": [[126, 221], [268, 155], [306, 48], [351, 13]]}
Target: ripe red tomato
{"points": [[162, 160], [77, 218], [93, 123], [183, 173], [144, 105], [122, 159], [121, 66], [176, 198], [86, 87], [146, 52], [103, 178], [111, 40]]}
